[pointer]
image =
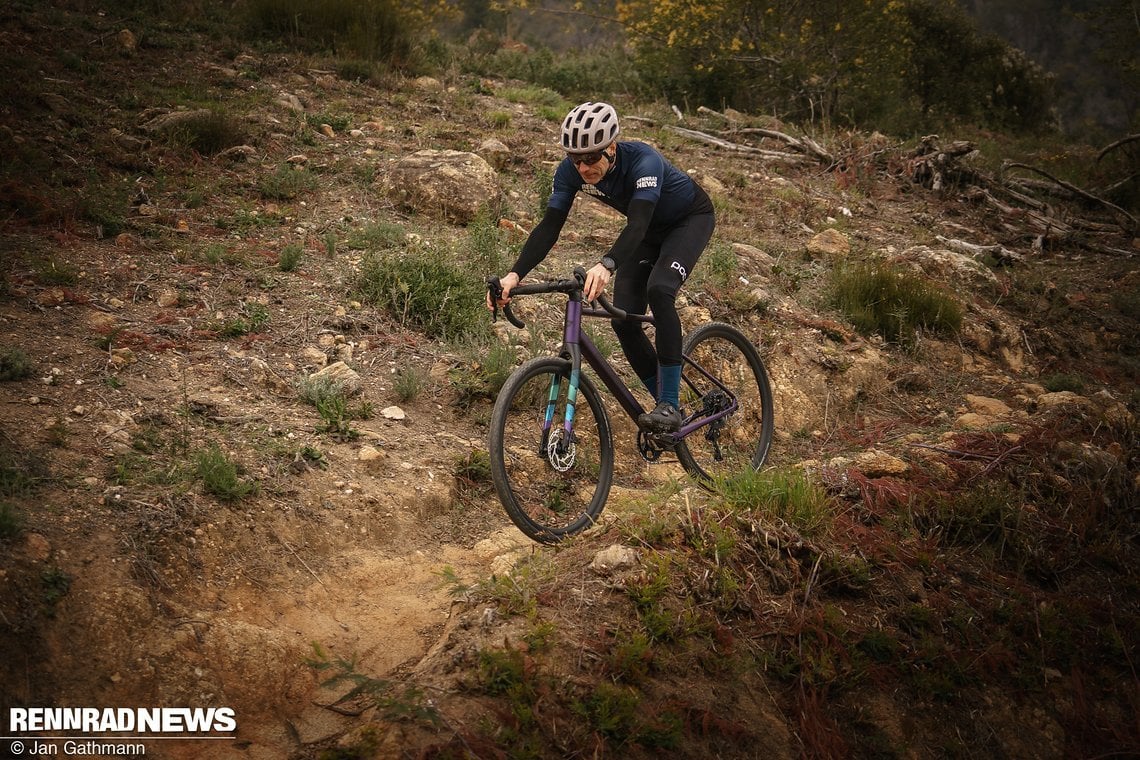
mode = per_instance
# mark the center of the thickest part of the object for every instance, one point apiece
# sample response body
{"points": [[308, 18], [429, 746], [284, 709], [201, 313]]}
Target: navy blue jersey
{"points": [[639, 172]]}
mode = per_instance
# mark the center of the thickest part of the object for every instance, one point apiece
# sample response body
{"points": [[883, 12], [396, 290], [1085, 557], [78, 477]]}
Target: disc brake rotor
{"points": [[560, 451]]}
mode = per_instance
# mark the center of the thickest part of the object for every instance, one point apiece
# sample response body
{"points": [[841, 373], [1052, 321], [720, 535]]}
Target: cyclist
{"points": [[669, 221]]}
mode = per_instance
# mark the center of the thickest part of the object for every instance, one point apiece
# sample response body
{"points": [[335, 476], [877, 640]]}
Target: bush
{"points": [[15, 364], [425, 290], [221, 476], [286, 183], [11, 521], [783, 493], [209, 132], [361, 30], [895, 304]]}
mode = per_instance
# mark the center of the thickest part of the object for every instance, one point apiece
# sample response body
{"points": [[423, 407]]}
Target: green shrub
{"points": [[221, 476], [56, 272], [1063, 382], [208, 132], [253, 317], [14, 364], [377, 236], [486, 369], [783, 493], [486, 244], [11, 521], [409, 383], [428, 291], [363, 30], [286, 183], [893, 303], [290, 257]]}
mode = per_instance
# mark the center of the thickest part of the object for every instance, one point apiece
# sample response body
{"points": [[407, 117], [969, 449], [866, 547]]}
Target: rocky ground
{"points": [[149, 318]]}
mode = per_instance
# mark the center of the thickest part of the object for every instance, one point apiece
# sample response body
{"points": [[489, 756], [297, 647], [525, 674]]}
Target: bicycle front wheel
{"points": [[552, 483], [722, 366]]}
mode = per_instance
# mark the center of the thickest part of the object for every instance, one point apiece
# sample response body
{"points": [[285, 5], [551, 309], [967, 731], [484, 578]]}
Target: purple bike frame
{"points": [[580, 348]]}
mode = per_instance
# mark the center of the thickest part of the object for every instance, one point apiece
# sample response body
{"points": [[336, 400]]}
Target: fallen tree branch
{"points": [[804, 145], [998, 251], [719, 142], [1113, 146], [1078, 191]]}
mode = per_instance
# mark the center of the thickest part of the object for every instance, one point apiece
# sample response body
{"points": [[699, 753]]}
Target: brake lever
{"points": [[495, 288]]}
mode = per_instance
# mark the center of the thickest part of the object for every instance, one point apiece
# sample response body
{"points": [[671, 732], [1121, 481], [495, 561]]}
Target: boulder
{"points": [[830, 243], [447, 184]]}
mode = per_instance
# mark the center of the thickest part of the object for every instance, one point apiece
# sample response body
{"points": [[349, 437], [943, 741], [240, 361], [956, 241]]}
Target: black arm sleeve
{"points": [[637, 222], [542, 239]]}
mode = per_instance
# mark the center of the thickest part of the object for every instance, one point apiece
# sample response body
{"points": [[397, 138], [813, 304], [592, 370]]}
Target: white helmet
{"points": [[589, 127]]}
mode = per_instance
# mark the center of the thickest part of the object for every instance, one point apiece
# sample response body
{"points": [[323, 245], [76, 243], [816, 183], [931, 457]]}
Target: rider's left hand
{"points": [[596, 280]]}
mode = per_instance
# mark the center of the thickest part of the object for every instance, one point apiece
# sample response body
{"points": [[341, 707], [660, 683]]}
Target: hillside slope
{"points": [[181, 526]]}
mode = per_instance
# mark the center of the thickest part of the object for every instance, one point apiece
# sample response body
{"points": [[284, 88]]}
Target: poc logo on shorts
{"points": [[677, 265]]}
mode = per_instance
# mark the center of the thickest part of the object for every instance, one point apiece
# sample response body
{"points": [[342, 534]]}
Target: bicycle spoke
{"points": [[552, 484], [741, 438]]}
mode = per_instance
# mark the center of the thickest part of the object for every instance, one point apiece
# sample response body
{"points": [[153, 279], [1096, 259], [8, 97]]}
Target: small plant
{"points": [[503, 672], [254, 316], [455, 585], [221, 476], [499, 119], [286, 183], [339, 122], [329, 240], [424, 290], [56, 583], [719, 265], [11, 521], [485, 243], [893, 303], [1063, 382], [783, 493], [410, 382], [18, 478], [648, 596], [290, 257], [313, 457], [377, 237], [208, 132], [333, 406], [53, 272], [338, 416], [14, 364], [483, 374], [408, 705], [631, 658], [474, 468]]}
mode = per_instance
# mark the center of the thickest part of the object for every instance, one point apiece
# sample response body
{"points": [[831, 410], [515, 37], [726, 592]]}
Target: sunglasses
{"points": [[589, 159]]}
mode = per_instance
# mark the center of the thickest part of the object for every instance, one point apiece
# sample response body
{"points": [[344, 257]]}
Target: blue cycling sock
{"points": [[651, 385], [670, 384]]}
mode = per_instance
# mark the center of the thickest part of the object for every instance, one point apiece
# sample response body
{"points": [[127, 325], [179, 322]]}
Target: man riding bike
{"points": [[669, 221]]}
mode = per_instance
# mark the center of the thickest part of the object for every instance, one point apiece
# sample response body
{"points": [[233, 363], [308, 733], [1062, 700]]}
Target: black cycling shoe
{"points": [[665, 418]]}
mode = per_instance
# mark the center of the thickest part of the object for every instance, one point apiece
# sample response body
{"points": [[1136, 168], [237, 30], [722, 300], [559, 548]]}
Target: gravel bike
{"points": [[552, 456]]}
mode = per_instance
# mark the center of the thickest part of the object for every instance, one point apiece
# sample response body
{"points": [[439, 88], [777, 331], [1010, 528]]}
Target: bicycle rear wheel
{"points": [[742, 438], [551, 484]]}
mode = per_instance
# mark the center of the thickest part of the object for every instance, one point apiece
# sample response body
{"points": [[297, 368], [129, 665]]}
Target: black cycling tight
{"points": [[659, 268]]}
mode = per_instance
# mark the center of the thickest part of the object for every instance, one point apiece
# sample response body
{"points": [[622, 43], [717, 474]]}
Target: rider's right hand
{"points": [[507, 281]]}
